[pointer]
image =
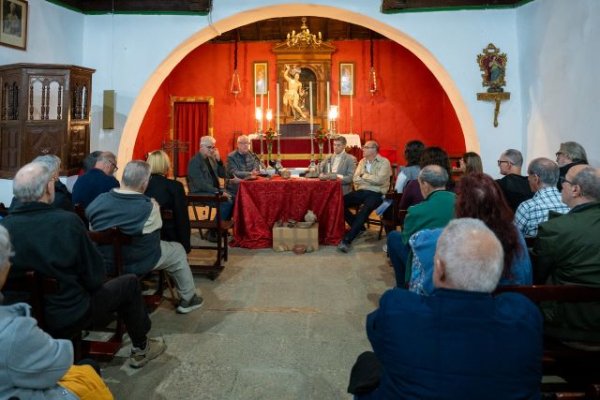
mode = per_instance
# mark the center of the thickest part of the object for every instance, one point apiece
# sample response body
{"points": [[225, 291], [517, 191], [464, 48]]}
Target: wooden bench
{"points": [[559, 358]]}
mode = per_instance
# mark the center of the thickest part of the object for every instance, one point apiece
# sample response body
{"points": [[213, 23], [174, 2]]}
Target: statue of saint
{"points": [[292, 95]]}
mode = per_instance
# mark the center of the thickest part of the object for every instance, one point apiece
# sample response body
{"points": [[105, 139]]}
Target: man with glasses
{"points": [[371, 182], [97, 180], [339, 163], [543, 176], [241, 164], [204, 171], [566, 252], [514, 186]]}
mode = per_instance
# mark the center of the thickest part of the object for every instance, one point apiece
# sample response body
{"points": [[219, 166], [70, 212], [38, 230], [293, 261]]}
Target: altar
{"points": [[295, 151]]}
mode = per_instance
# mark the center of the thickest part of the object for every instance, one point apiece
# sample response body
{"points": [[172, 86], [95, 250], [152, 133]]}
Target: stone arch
{"points": [[146, 95]]}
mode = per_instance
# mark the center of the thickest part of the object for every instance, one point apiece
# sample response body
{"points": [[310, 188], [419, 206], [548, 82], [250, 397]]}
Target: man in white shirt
{"points": [[340, 163]]}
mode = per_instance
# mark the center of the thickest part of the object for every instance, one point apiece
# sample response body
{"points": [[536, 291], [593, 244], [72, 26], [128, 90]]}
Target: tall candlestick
{"points": [[310, 109], [328, 105], [268, 100], [277, 123], [255, 113], [351, 112], [311, 167], [261, 109], [339, 108]]}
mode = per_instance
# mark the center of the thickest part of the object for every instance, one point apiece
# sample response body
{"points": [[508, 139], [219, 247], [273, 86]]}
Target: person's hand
{"points": [[227, 194], [235, 179]]}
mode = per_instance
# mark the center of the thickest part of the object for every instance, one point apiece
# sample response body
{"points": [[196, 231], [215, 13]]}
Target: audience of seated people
{"points": [[568, 155], [470, 163], [62, 196], [33, 365], [340, 163], [514, 186], [62, 250], [204, 171], [434, 212], [543, 178], [460, 342], [170, 195], [97, 180], [566, 252], [137, 215], [371, 182], [241, 164], [478, 197]]}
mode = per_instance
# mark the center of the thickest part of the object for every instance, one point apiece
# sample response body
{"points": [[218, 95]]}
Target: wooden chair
{"points": [[200, 211], [80, 211], [390, 224], [35, 287], [3, 210], [217, 225], [558, 358]]}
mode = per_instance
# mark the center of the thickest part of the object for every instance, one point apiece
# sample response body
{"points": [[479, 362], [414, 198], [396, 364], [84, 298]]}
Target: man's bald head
{"points": [[31, 182]]}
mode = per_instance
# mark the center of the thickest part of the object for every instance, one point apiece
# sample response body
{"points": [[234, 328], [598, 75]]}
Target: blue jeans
{"points": [[398, 253]]}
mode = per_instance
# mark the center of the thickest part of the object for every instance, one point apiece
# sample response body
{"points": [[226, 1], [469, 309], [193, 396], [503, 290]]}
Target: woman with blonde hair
{"points": [[170, 195], [470, 163]]}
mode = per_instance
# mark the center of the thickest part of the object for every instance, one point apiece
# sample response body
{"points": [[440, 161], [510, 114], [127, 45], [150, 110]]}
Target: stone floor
{"points": [[274, 326]]}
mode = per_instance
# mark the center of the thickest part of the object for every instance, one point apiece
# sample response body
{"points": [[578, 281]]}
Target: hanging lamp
{"points": [[235, 87], [372, 74]]}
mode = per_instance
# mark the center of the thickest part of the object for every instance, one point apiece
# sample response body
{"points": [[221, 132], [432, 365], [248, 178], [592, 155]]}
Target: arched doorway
{"points": [[143, 100]]}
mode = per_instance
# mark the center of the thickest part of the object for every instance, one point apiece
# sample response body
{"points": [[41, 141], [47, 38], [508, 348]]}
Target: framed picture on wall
{"points": [[260, 78], [347, 79], [13, 23]]}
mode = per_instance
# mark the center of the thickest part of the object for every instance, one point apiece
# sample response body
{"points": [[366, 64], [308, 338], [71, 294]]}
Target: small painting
{"points": [[260, 78], [347, 79], [13, 23]]}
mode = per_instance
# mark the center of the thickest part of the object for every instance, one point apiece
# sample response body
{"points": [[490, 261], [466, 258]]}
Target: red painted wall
{"points": [[409, 103]]}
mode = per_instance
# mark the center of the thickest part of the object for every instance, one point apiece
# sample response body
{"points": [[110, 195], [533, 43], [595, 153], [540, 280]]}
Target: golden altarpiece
{"points": [[45, 109]]}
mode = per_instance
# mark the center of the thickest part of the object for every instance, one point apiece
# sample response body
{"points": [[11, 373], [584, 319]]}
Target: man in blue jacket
{"points": [[461, 342]]}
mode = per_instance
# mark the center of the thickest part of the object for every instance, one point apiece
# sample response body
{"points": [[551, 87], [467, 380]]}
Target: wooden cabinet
{"points": [[44, 109]]}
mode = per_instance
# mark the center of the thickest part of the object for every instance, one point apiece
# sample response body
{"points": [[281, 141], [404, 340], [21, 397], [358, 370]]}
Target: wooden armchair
{"points": [[217, 225], [560, 359]]}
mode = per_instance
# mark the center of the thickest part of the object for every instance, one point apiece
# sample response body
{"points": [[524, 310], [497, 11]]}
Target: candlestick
{"points": [[268, 100], [261, 108], [351, 112], [277, 123], [328, 104], [312, 166], [339, 107], [310, 103]]}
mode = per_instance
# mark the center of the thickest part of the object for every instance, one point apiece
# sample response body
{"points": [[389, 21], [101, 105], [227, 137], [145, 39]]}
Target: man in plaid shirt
{"points": [[542, 176]]}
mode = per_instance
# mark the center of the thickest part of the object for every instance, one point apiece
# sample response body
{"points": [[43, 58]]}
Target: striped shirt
{"points": [[534, 211]]}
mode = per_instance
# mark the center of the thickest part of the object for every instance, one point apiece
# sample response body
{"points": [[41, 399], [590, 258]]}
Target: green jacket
{"points": [[433, 212], [566, 252]]}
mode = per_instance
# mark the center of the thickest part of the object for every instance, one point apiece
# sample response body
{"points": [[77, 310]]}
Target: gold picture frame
{"points": [[261, 78], [346, 79], [13, 23]]}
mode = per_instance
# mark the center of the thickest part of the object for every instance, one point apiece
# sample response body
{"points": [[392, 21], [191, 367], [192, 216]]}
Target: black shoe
{"points": [[343, 247]]}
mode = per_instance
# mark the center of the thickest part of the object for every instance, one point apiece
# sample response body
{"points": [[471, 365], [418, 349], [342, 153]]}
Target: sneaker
{"points": [[343, 247], [154, 348], [384, 248], [186, 306]]}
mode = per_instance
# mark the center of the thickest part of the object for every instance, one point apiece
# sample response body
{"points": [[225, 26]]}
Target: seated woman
{"points": [[479, 197], [170, 195], [470, 163]]}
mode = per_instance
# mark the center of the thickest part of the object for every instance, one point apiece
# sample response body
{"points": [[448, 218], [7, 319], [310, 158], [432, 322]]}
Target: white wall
{"points": [[560, 55]]}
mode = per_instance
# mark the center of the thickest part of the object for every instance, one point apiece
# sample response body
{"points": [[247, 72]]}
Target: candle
{"points": [[268, 100], [310, 104], [261, 109], [351, 112], [277, 122], [328, 105], [255, 113], [339, 108]]}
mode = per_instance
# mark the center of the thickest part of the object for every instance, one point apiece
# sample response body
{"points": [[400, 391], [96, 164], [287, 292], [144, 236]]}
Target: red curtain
{"points": [[191, 123]]}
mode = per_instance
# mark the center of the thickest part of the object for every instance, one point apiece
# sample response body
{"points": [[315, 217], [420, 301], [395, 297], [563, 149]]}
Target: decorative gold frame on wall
{"points": [[261, 66], [346, 89]]}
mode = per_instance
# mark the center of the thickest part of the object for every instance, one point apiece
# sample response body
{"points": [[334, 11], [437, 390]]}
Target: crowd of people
{"points": [[460, 239]]}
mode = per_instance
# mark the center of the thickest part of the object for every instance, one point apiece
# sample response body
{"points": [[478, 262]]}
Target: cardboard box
{"points": [[286, 238]]}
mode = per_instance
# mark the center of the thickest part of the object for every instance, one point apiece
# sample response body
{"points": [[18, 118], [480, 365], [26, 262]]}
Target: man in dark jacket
{"points": [[566, 252], [55, 243], [460, 342], [514, 186], [97, 180]]}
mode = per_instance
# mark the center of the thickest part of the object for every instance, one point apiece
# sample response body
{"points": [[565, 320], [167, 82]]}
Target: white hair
{"points": [[5, 247], [472, 255]]}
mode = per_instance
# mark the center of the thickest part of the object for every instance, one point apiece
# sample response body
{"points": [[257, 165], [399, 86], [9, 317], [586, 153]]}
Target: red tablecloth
{"points": [[261, 203]]}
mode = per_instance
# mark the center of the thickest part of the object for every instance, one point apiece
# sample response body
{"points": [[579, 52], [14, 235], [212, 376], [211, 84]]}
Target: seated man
{"points": [[461, 342], [36, 365], [434, 212], [241, 164], [566, 252], [543, 177], [514, 186], [55, 243], [137, 215], [97, 180], [371, 182], [204, 171], [340, 163]]}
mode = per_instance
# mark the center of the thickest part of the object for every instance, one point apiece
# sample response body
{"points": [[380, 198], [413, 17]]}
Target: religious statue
{"points": [[293, 93], [493, 67]]}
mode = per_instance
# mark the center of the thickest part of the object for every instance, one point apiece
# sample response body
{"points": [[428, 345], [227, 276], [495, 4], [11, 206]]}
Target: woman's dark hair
{"points": [[472, 163], [481, 197], [413, 151], [435, 156]]}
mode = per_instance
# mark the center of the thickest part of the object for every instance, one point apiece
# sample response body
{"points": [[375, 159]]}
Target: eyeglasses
{"points": [[113, 164], [559, 153], [502, 161], [242, 143], [209, 147], [368, 147], [564, 180]]}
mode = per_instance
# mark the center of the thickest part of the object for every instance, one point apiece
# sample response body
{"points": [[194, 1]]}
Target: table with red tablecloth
{"points": [[262, 202]]}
